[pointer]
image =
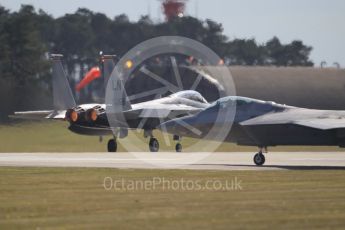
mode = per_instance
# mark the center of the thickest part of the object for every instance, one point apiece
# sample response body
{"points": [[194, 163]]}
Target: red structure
{"points": [[94, 73], [173, 8]]}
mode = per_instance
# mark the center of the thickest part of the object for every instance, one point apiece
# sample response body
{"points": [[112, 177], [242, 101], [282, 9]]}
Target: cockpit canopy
{"points": [[239, 101], [244, 101], [191, 95]]}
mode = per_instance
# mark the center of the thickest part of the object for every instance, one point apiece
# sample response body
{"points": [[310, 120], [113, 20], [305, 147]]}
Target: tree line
{"points": [[29, 35]]}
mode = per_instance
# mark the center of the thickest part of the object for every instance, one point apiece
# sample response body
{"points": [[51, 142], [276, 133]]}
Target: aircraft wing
{"points": [[39, 115], [322, 122], [161, 111], [164, 111]]}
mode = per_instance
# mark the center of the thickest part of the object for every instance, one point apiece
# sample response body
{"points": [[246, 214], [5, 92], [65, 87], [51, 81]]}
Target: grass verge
{"points": [[67, 198]]}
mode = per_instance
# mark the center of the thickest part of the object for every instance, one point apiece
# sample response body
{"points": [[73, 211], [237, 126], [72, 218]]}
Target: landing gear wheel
{"points": [[259, 159], [154, 145], [178, 148], [112, 146]]}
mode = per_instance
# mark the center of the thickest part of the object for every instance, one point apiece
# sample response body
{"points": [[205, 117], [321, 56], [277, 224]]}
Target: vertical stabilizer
{"points": [[108, 65], [62, 93], [120, 100]]}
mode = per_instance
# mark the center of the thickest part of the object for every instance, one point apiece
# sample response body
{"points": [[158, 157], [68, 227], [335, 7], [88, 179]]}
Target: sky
{"points": [[318, 23]]}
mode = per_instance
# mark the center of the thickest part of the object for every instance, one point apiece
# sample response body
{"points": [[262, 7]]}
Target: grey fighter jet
{"points": [[259, 123], [92, 119]]}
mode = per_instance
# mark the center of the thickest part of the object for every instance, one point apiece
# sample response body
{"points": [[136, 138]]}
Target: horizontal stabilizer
{"points": [[39, 115], [34, 115], [303, 119], [324, 123]]}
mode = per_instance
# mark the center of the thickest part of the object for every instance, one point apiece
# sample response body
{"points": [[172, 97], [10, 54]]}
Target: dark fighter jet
{"points": [[93, 119], [252, 122]]}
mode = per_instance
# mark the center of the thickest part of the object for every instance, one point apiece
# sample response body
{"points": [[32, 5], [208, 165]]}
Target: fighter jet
{"points": [[92, 119], [259, 123]]}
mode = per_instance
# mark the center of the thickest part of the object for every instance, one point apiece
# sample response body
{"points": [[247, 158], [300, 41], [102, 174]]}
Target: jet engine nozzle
{"points": [[92, 115], [74, 115]]}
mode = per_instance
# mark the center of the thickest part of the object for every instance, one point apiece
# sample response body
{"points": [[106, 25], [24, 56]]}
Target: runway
{"points": [[196, 161]]}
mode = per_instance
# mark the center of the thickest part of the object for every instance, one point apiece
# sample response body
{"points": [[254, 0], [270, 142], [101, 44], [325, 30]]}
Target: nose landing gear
{"points": [[259, 158]]}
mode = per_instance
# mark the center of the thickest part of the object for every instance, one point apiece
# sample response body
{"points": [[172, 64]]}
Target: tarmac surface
{"points": [[196, 161]]}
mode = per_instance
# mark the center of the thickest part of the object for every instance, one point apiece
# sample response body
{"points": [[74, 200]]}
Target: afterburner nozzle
{"points": [[72, 115], [92, 115]]}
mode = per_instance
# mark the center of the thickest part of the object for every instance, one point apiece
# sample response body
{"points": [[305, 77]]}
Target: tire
{"points": [[154, 145], [178, 148], [259, 159], [112, 146]]}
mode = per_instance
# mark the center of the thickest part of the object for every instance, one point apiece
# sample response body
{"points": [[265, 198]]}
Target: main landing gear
{"points": [[112, 145], [153, 145], [178, 146], [259, 158]]}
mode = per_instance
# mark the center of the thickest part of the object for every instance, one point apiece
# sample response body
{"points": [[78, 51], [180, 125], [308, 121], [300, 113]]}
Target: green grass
{"points": [[53, 136], [65, 198]]}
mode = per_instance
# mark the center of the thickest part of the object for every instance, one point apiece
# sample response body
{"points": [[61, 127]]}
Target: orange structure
{"points": [[173, 8], [94, 73]]}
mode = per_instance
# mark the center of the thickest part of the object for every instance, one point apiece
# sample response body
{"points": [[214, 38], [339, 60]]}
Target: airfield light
{"points": [[129, 64]]}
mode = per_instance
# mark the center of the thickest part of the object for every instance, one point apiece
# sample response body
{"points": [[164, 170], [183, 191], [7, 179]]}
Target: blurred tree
{"points": [[5, 51], [23, 63], [245, 52], [298, 54], [275, 52], [214, 37], [293, 54], [28, 63]]}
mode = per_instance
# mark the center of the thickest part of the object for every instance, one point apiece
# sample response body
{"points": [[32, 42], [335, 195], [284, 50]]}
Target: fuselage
{"points": [[222, 121], [141, 115]]}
